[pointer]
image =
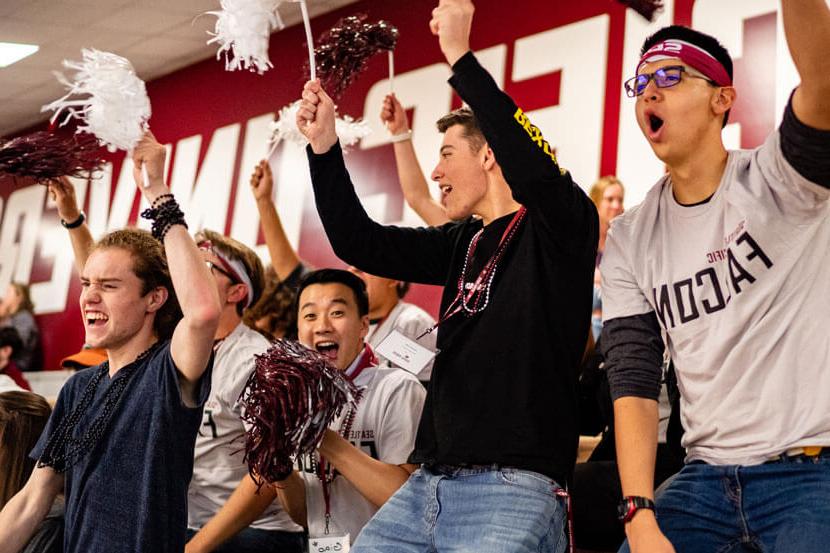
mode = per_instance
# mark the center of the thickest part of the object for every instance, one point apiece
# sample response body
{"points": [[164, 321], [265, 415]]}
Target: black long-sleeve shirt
{"points": [[503, 385]]}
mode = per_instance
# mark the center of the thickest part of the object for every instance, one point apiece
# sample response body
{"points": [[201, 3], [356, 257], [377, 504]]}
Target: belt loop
{"points": [[569, 517]]}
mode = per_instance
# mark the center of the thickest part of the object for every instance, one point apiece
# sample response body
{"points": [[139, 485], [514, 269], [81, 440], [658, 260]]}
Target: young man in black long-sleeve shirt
{"points": [[498, 436]]}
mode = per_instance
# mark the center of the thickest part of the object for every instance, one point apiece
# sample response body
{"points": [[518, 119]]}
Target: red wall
{"points": [[200, 99]]}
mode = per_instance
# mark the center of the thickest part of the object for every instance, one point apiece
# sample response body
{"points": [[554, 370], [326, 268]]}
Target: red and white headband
{"points": [[692, 55], [233, 267]]}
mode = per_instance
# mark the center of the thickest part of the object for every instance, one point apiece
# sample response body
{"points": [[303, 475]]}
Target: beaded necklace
{"points": [[64, 449], [474, 297]]}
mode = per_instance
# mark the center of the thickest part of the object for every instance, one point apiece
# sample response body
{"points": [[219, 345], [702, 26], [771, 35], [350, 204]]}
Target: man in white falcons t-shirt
{"points": [[728, 257], [218, 466]]}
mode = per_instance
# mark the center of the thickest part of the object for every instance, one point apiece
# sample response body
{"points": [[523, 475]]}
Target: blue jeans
{"points": [[475, 510], [255, 540], [778, 507]]}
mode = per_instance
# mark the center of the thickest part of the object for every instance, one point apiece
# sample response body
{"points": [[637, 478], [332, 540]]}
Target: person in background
{"points": [[9, 343], [17, 311], [23, 415], [608, 194]]}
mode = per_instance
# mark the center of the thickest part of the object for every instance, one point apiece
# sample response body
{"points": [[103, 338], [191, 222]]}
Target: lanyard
{"points": [[324, 472], [474, 294]]}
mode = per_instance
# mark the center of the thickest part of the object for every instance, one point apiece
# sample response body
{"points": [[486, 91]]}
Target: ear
{"points": [[724, 100], [156, 298], [364, 326], [488, 159], [237, 293]]}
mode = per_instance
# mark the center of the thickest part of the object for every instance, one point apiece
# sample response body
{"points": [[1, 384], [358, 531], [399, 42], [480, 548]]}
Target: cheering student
{"points": [[728, 256], [498, 437], [119, 443]]}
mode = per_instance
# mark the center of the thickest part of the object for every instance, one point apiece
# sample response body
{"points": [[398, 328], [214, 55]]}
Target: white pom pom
{"points": [[349, 130], [243, 30], [115, 108]]}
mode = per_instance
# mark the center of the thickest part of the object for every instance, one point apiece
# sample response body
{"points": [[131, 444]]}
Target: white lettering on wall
{"points": [[19, 233], [574, 127]]}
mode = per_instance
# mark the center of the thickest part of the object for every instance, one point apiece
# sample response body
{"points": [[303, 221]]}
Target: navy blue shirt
{"points": [[129, 493]]}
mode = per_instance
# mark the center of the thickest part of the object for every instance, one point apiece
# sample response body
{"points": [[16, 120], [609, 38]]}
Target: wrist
{"points": [[643, 521], [70, 222], [323, 145], [453, 54], [402, 136]]}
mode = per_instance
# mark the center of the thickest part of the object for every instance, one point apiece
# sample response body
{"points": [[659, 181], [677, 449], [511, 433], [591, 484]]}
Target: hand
{"points": [[63, 193], [644, 536], [393, 115], [315, 118], [150, 155], [451, 23], [262, 182]]}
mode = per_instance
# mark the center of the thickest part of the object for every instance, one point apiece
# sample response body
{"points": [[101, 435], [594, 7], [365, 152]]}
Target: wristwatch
{"points": [[629, 506]]}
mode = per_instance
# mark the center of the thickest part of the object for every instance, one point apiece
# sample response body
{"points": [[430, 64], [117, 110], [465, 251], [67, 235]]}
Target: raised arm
{"points": [[63, 192], [23, 513], [243, 507], [413, 184], [386, 251], [283, 257], [195, 288], [807, 27], [527, 160]]}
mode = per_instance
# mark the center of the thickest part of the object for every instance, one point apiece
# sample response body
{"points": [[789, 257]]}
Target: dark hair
{"points": [[234, 249], [467, 119], [23, 416], [701, 40], [277, 306], [339, 276], [402, 288], [150, 266], [10, 337]]}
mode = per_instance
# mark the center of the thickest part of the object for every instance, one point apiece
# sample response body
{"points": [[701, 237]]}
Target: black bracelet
{"points": [[76, 223], [164, 217], [164, 198]]}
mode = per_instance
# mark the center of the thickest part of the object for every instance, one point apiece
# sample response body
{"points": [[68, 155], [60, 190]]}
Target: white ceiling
{"points": [[157, 36]]}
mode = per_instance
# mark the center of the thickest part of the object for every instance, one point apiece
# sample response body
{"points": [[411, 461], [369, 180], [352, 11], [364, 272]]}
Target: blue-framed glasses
{"points": [[664, 77]]}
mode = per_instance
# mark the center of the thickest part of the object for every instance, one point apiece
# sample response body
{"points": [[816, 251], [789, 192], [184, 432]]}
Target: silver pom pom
{"points": [[114, 105], [349, 130], [243, 30]]}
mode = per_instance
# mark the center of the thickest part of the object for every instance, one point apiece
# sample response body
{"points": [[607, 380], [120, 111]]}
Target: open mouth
{"points": [[328, 349], [654, 123], [95, 318]]}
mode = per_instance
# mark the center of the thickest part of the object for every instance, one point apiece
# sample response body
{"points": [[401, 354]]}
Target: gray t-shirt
{"points": [[740, 286], [218, 465]]}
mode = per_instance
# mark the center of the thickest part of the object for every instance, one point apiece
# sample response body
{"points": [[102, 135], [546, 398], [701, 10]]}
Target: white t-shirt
{"points": [[384, 427], [741, 286], [411, 321], [218, 467]]}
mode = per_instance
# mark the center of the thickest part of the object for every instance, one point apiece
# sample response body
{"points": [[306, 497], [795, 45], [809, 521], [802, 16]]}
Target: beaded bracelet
{"points": [[164, 216]]}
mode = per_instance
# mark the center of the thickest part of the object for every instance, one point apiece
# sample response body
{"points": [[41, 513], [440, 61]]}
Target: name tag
{"points": [[405, 352], [329, 544]]}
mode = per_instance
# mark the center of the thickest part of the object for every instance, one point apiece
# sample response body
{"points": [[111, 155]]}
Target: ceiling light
{"points": [[11, 52]]}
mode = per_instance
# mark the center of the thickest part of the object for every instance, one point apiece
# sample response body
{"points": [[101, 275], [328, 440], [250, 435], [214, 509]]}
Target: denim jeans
{"points": [[777, 507], [255, 540], [475, 510]]}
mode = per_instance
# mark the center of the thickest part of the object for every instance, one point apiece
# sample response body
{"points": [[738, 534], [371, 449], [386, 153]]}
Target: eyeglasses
{"points": [[664, 77], [214, 267]]}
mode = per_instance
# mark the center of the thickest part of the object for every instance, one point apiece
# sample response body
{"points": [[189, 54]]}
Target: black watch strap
{"points": [[76, 223], [629, 506]]}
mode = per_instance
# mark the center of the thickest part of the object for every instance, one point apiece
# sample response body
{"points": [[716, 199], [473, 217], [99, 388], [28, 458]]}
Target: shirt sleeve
{"points": [[633, 351], [806, 149], [396, 435], [621, 294], [55, 419], [171, 381], [527, 161], [413, 254]]}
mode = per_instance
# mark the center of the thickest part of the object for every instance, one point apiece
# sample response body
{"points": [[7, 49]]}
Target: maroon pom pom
{"points": [[290, 399], [46, 155], [343, 51], [646, 8]]}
